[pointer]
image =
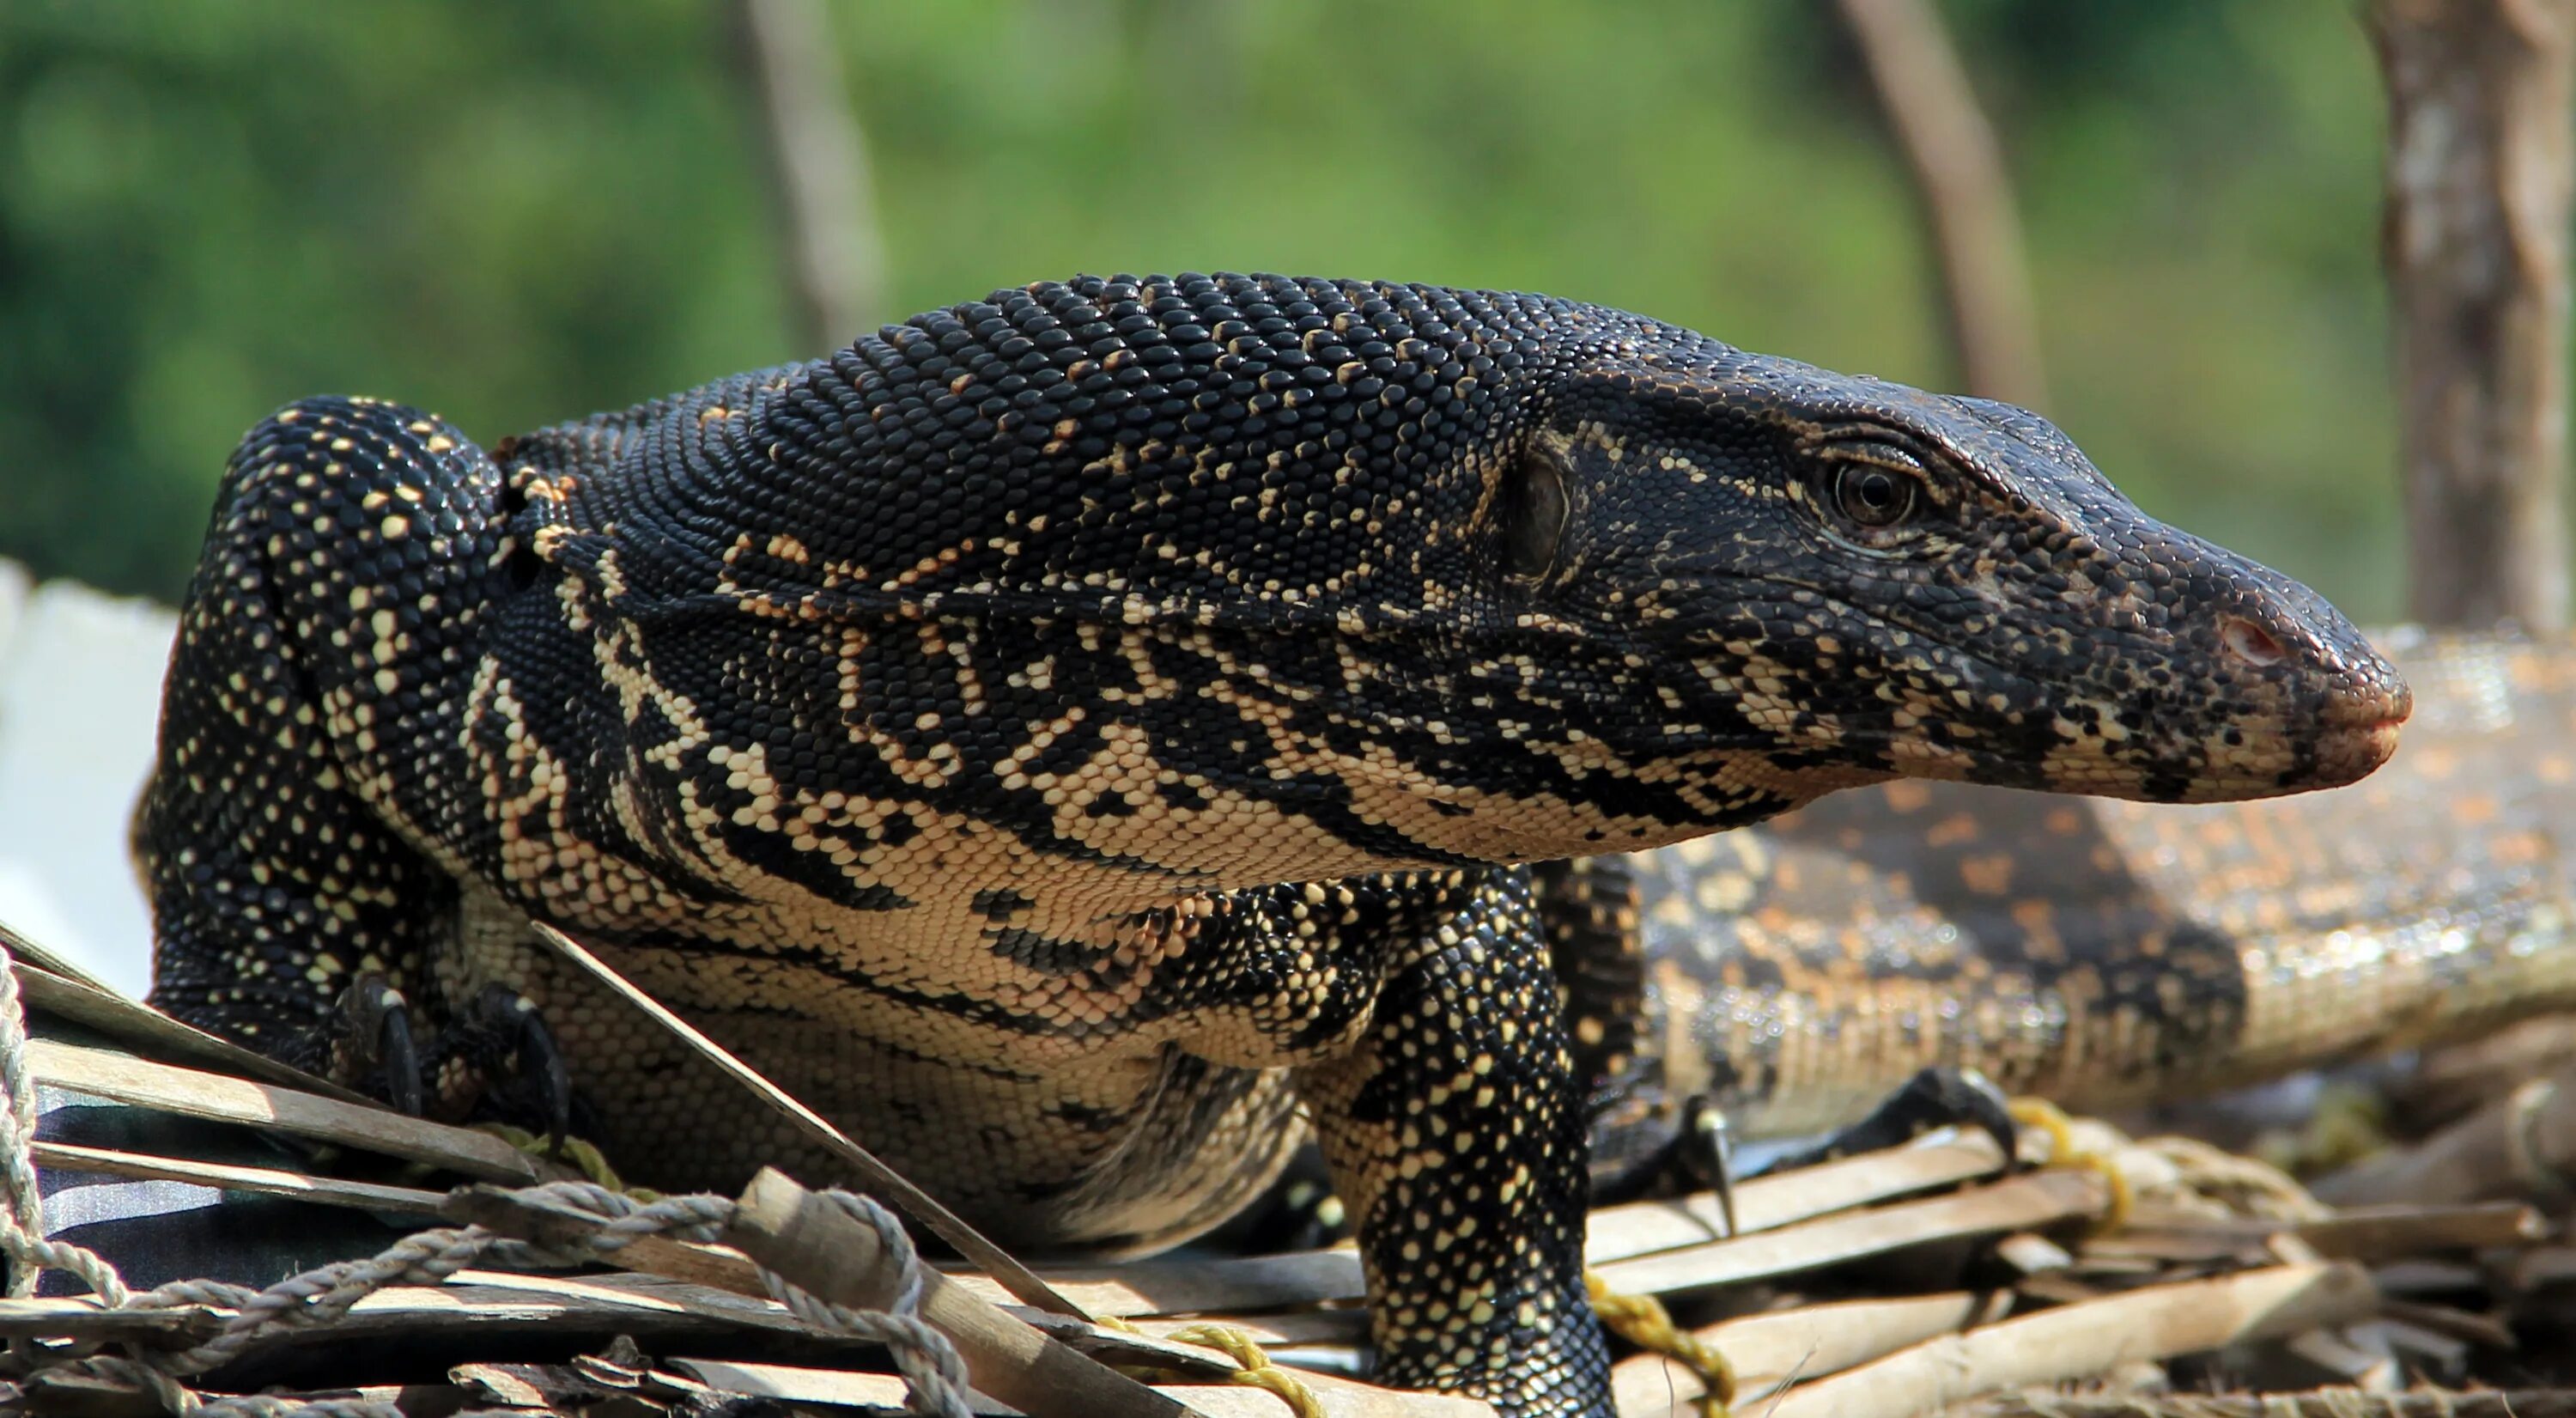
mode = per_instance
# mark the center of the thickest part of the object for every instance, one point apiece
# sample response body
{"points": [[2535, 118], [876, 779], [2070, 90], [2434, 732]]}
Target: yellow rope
{"points": [[1643, 1321], [1255, 1368], [2053, 1123], [584, 1158]]}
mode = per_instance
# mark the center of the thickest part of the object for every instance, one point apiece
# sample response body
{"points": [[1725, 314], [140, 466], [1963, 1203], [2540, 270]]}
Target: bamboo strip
{"points": [[2359, 1233], [1341, 1398], [2520, 1145], [86, 1002], [805, 1239], [1769, 1351], [1644, 1233], [552, 1223], [2022, 1203], [1766, 1203], [2318, 1403], [121, 1078], [82, 1319], [328, 1191], [2078, 1340]]}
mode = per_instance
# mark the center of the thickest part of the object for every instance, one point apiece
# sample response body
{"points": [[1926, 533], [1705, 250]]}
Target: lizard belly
{"points": [[1117, 1148]]}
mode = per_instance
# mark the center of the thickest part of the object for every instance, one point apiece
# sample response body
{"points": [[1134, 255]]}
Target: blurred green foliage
{"points": [[518, 213]]}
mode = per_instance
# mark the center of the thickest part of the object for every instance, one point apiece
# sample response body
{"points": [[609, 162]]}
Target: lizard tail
{"points": [[2102, 953]]}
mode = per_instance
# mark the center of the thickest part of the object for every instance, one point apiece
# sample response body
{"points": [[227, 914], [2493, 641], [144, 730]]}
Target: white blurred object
{"points": [[80, 698]]}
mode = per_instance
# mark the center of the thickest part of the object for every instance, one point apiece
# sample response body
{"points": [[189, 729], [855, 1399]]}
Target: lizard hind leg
{"points": [[305, 750]]}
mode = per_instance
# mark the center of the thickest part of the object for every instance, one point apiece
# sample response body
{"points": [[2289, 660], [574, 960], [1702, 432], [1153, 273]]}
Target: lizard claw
{"points": [[1697, 1154], [1705, 1151], [376, 1038], [1935, 1097], [1984, 1107], [529, 1056]]}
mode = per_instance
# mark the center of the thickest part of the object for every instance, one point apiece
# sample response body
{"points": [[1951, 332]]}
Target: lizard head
{"points": [[1875, 581], [1404, 575]]}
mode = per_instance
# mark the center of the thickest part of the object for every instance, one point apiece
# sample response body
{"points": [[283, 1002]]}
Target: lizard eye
{"points": [[1533, 516], [1873, 497]]}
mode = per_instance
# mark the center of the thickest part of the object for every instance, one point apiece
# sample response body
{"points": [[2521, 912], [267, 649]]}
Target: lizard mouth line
{"points": [[2346, 754], [2371, 717]]}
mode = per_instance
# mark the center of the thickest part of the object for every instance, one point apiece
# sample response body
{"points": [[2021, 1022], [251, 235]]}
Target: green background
{"points": [[518, 213]]}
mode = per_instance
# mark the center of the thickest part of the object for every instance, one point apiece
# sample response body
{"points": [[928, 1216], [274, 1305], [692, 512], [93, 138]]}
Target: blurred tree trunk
{"points": [[818, 169], [1958, 169], [2480, 166]]}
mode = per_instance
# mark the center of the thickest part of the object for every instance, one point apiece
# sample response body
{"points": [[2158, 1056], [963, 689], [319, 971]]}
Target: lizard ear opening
{"points": [[1534, 508]]}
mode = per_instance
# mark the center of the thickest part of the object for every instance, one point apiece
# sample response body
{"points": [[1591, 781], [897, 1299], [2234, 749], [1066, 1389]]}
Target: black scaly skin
{"points": [[1059, 735]]}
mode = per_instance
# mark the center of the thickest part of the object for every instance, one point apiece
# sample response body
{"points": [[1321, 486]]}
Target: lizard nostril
{"points": [[2251, 643]]}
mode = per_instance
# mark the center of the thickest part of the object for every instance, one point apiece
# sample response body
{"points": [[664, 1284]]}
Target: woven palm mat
{"points": [[2102, 1275]]}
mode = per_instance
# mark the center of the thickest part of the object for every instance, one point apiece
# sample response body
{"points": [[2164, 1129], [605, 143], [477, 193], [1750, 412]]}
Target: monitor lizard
{"points": [[1067, 734]]}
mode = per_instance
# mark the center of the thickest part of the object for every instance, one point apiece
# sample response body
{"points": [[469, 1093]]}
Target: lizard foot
{"points": [[1934, 1098], [1299, 1212], [494, 1057], [497, 1056], [1695, 1154]]}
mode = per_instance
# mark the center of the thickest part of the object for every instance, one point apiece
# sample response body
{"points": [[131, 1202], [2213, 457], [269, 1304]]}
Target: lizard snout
{"points": [[2334, 700], [2361, 721]]}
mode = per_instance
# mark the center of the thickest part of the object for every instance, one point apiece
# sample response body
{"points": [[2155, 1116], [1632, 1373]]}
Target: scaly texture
{"points": [[1059, 735], [2103, 953]]}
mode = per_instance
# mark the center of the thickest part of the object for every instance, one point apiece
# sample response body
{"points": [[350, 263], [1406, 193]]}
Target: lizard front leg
{"points": [[1455, 1135]]}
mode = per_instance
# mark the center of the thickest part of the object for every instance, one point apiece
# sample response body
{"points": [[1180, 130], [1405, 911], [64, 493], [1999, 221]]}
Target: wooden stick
{"points": [[2481, 176], [2522, 1144], [84, 1001], [812, 1243], [1958, 167], [885, 1182], [1341, 1398], [121, 1078], [328, 1191], [2074, 1341], [1768, 1352], [2317, 1403], [82, 1318], [834, 259], [1764, 1203], [2023, 1203]]}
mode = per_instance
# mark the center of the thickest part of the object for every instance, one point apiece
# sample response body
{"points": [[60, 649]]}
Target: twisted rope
{"points": [[1253, 1366], [934, 1375], [1642, 1320], [2051, 1121], [26, 1207]]}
